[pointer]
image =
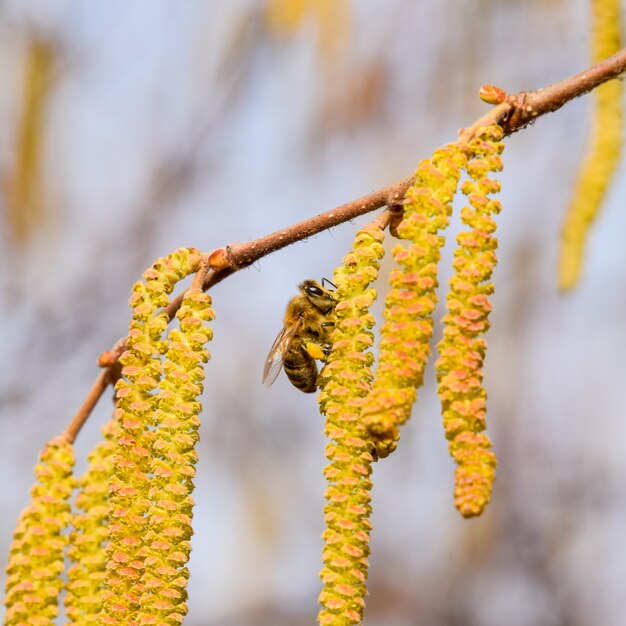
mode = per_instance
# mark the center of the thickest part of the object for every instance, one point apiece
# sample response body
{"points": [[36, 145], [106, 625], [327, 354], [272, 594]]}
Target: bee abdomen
{"points": [[301, 369]]}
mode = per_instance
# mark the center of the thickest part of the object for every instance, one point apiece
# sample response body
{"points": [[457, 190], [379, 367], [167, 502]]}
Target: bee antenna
{"points": [[328, 282]]}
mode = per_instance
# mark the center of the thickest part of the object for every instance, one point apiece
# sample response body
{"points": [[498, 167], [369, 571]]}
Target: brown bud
{"points": [[219, 259]]}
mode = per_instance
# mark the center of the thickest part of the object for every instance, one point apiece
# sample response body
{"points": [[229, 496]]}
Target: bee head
{"points": [[320, 297]]}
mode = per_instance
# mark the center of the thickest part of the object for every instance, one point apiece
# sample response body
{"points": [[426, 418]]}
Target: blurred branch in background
{"points": [[175, 170]]}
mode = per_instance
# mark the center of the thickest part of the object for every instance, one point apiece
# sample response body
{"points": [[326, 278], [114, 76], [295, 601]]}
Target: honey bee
{"points": [[305, 336]]}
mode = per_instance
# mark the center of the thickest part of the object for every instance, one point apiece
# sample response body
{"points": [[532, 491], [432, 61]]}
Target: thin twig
{"points": [[516, 112], [384, 219], [96, 391], [111, 372]]}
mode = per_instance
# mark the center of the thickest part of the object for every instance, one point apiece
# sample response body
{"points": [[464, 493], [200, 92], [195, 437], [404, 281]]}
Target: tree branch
{"points": [[529, 105], [516, 112]]}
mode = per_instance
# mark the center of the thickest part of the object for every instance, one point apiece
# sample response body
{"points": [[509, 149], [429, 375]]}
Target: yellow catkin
{"points": [[285, 15], [87, 549], [25, 186], [409, 305], [462, 348], [173, 465], [136, 408], [35, 566], [345, 382], [605, 146], [332, 18]]}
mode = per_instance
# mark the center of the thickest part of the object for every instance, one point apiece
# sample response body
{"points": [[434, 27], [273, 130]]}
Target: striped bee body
{"points": [[305, 336]]}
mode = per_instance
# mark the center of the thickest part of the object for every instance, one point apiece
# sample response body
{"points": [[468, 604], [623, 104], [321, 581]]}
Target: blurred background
{"points": [[130, 129]]}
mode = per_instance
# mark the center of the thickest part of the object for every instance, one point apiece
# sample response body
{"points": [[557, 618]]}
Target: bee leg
{"points": [[327, 345]]}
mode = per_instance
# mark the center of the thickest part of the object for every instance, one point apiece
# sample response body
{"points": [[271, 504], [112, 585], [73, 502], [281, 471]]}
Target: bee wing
{"points": [[274, 361]]}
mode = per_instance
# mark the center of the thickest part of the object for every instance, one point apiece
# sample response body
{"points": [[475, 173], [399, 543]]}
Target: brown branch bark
{"points": [[529, 105], [516, 112]]}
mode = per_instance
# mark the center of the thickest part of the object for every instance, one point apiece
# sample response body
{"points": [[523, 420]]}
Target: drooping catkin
{"points": [[34, 572], [462, 348], [409, 305], [25, 202], [345, 381], [136, 407], [605, 146], [331, 17], [87, 546], [167, 540]]}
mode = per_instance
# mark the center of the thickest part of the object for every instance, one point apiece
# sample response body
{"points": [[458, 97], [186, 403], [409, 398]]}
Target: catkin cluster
{"points": [[173, 460], [132, 563], [345, 382], [462, 349], [129, 544], [35, 565], [409, 305]]}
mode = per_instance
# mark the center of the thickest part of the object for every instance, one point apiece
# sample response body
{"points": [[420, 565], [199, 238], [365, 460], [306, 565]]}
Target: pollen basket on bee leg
{"points": [[315, 350]]}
